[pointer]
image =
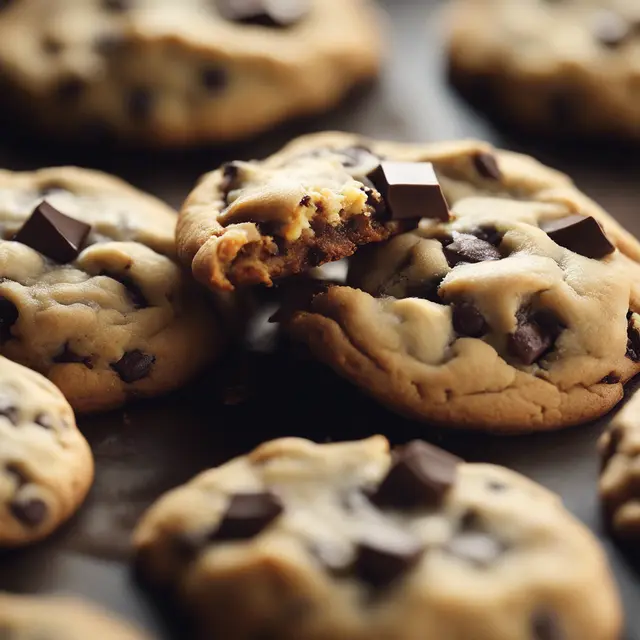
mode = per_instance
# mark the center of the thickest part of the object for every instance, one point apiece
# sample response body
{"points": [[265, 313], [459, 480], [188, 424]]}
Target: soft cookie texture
{"points": [[121, 320], [345, 541], [256, 222], [517, 315], [46, 466], [174, 72], [56, 618], [566, 67], [620, 480]]}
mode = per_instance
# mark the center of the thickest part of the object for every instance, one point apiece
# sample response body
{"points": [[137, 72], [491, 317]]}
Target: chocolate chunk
{"points": [[420, 476], [51, 45], [534, 337], [140, 103], [411, 190], [45, 421], [133, 366], [612, 378], [213, 78], [610, 29], [305, 201], [8, 408], [68, 356], [476, 547], [633, 338], [116, 6], [426, 290], [468, 321], [486, 165], [467, 248], [247, 515], [380, 563], [69, 90], [267, 13], [134, 292], [489, 234], [545, 625], [30, 513], [8, 316], [230, 178], [580, 234], [53, 234]]}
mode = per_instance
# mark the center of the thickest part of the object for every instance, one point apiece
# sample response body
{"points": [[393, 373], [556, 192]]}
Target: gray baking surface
{"points": [[148, 448]]}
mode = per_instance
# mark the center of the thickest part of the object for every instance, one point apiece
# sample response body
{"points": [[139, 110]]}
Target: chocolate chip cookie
{"points": [[167, 72], [620, 480], [351, 541], [518, 314], [46, 467], [90, 294], [309, 204], [56, 618], [565, 67]]}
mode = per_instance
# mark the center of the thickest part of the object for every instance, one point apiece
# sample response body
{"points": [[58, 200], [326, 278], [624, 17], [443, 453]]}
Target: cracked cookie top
{"points": [[518, 314], [352, 541], [46, 466], [119, 320]]}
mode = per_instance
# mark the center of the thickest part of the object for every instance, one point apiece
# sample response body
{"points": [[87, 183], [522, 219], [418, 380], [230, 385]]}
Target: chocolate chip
{"points": [[611, 378], [633, 338], [68, 356], [8, 317], [426, 290], [380, 563], [468, 321], [247, 515], [140, 103], [133, 366], [580, 234], [134, 292], [467, 248], [420, 476], [213, 78], [53, 234], [610, 29], [535, 336], [486, 165], [51, 45], [476, 547], [230, 175], [410, 190], [8, 409], [116, 6], [30, 513], [45, 421], [267, 13], [545, 625], [306, 201], [69, 90]]}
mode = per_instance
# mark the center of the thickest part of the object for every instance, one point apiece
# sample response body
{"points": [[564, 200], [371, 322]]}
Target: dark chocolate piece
{"points": [[266, 13], [426, 291], [611, 378], [486, 165], [68, 356], [51, 45], [580, 234], [545, 625], [468, 248], [8, 408], [69, 90], [633, 338], [31, 513], [133, 366], [213, 78], [230, 175], [411, 190], [420, 476], [380, 563], [536, 334], [247, 515], [468, 321], [140, 103], [476, 547], [610, 29], [53, 234], [8, 316]]}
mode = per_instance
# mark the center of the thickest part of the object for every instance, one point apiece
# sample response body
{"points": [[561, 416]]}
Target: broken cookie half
{"points": [[312, 203]]}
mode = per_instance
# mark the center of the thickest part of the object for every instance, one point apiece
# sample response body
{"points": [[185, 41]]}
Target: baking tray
{"points": [[266, 390]]}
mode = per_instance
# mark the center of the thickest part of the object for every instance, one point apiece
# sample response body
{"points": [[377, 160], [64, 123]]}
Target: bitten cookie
{"points": [[517, 315], [56, 618], [311, 203], [46, 466], [167, 72], [96, 302], [347, 541], [566, 67], [620, 480]]}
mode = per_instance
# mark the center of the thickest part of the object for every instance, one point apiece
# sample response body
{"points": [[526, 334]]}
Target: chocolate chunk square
{"points": [[247, 515], [580, 234]]}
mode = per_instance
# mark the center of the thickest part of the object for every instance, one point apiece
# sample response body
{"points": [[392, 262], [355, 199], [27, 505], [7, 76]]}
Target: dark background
{"points": [[145, 449]]}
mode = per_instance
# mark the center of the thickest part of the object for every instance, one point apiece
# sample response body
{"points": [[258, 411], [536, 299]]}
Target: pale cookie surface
{"points": [[255, 222], [564, 66], [121, 320], [620, 479], [167, 72], [345, 541], [486, 322], [57, 618], [46, 467]]}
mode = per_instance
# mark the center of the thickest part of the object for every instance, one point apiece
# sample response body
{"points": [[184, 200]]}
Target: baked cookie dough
{"points": [[176, 72], [311, 203], [349, 542], [46, 466], [122, 319], [517, 315], [566, 67], [57, 618], [620, 480]]}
